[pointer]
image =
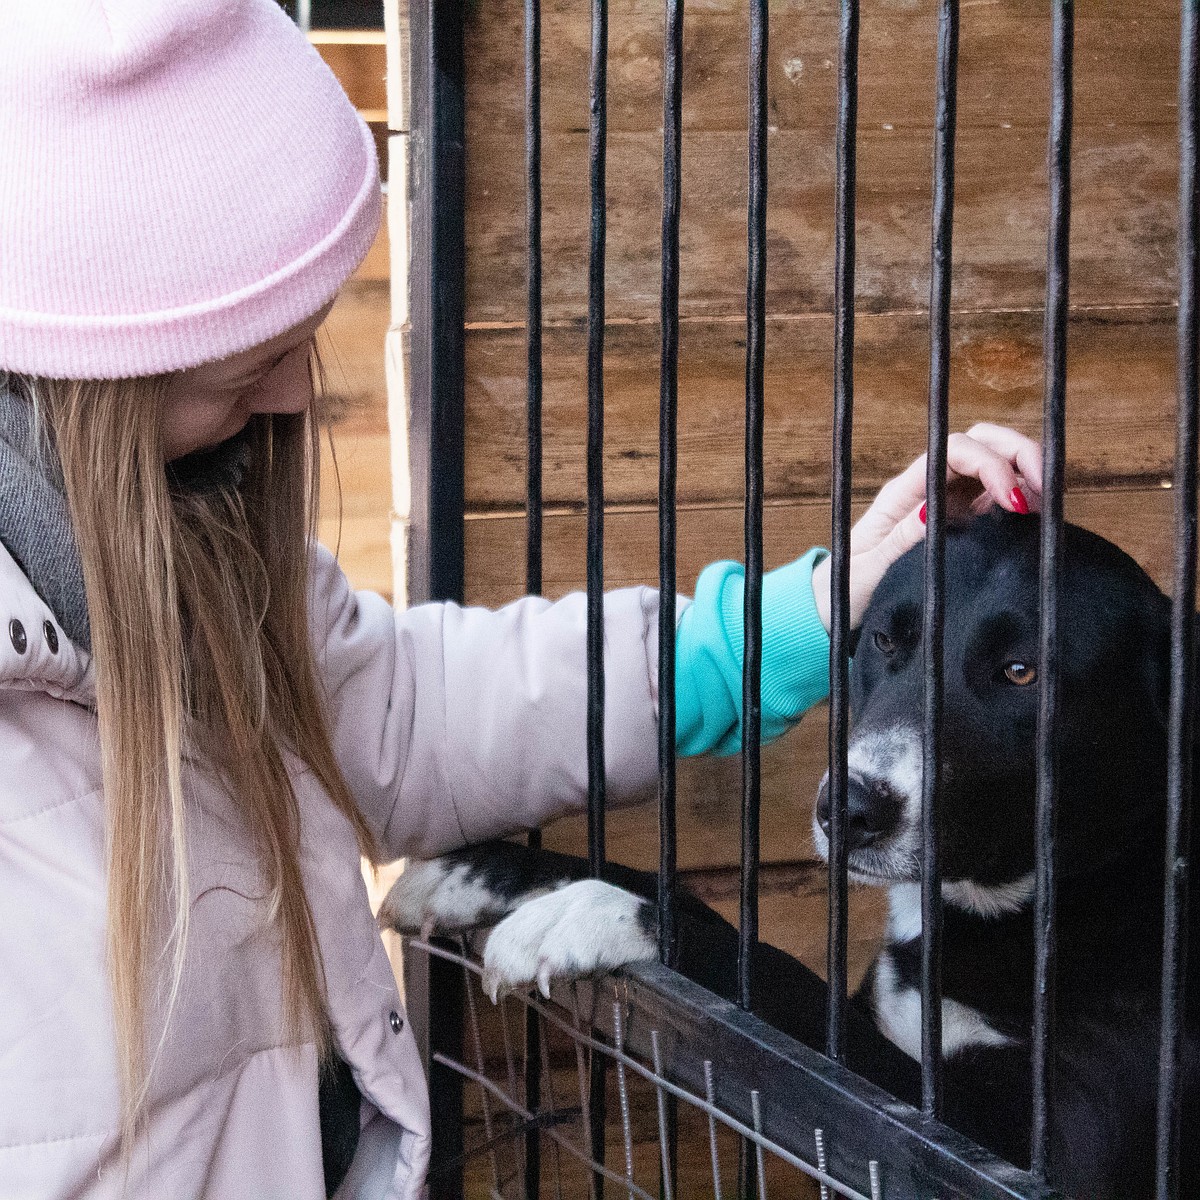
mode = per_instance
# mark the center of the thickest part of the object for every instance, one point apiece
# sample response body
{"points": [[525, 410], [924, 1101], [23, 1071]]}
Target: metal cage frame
{"points": [[629, 1015]]}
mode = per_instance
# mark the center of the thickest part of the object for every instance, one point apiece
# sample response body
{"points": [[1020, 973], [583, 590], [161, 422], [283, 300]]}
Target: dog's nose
{"points": [[872, 811]]}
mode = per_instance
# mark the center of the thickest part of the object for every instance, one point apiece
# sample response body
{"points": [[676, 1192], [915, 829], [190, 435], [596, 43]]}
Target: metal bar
{"points": [[436, 447], [484, 1101], [935, 557], [1183, 649], [623, 1092], [822, 1160], [667, 460], [437, 288], [533, 479], [595, 440], [667, 1185], [760, 1168], [843, 426], [596, 1183], [543, 1045], [756, 309], [1053, 459], [533, 283], [595, 512], [710, 1094]]}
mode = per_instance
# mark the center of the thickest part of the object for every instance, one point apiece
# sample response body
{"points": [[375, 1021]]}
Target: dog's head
{"points": [[1113, 638]]}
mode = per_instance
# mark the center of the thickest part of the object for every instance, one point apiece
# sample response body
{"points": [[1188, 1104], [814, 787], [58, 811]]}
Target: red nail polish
{"points": [[1017, 498], [921, 514]]}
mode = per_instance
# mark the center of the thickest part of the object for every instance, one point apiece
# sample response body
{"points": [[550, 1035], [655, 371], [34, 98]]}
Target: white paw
{"points": [[585, 928], [440, 896]]}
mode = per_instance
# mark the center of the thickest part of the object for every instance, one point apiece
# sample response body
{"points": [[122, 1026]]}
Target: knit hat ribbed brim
{"points": [[181, 180]]}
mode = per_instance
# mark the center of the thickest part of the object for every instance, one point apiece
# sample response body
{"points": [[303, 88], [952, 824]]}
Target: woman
{"points": [[202, 726]]}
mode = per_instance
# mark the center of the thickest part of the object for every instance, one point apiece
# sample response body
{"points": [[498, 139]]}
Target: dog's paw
{"points": [[441, 896], [585, 928]]}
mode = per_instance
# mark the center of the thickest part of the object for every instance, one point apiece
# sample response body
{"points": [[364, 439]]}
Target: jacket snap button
{"points": [[51, 637], [16, 632], [396, 1021]]}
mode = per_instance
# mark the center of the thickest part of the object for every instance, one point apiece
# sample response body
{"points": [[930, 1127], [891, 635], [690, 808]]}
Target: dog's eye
{"points": [[1020, 673], [883, 643]]}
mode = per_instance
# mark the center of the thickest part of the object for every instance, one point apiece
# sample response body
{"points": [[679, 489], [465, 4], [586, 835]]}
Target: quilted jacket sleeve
{"points": [[453, 725]]}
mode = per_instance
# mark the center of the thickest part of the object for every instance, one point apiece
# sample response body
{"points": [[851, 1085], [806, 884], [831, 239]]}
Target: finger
{"points": [[867, 569], [1023, 452], [969, 458]]}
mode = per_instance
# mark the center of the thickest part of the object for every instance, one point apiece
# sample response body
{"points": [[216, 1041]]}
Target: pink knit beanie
{"points": [[179, 180]]}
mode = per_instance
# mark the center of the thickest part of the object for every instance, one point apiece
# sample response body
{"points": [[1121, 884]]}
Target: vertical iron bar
{"points": [[935, 556], [595, 441], [595, 513], [533, 318], [533, 484], [436, 451], [667, 491], [756, 306], [1183, 651], [667, 460], [666, 1184], [436, 443], [1053, 458], [843, 432]]}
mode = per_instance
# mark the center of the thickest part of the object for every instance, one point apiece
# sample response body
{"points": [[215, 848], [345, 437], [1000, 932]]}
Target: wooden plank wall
{"points": [[1121, 366]]}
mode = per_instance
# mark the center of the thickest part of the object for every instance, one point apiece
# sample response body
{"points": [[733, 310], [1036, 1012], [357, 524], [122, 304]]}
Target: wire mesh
{"points": [[497, 1117]]}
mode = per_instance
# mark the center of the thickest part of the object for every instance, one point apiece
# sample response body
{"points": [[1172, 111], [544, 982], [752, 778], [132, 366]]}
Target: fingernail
{"points": [[1017, 500], [921, 514]]}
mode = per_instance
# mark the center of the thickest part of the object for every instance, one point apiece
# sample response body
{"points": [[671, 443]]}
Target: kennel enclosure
{"points": [[762, 1104]]}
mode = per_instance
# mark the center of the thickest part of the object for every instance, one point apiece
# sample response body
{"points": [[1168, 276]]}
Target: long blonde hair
{"points": [[198, 603]]}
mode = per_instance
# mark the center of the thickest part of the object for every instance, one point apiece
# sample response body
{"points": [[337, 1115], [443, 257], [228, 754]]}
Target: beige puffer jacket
{"points": [[451, 725]]}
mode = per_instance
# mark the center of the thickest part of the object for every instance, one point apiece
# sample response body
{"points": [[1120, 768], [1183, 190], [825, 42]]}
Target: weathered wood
{"points": [[709, 788], [1120, 386], [1125, 64], [1122, 231]]}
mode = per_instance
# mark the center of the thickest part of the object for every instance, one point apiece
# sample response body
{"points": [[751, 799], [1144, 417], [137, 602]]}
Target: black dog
{"points": [[1112, 740]]}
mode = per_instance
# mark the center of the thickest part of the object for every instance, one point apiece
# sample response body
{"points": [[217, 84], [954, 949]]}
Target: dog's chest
{"points": [[898, 1006]]}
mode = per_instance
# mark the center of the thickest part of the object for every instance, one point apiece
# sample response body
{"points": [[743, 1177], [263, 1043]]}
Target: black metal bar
{"points": [[436, 444], [668, 408], [756, 309], [595, 439], [595, 514], [843, 426], [1183, 649], [1053, 458], [533, 318], [935, 556], [437, 290], [756, 315], [533, 484]]}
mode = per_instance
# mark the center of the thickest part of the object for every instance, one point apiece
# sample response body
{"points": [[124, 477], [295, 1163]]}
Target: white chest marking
{"points": [[898, 1014]]}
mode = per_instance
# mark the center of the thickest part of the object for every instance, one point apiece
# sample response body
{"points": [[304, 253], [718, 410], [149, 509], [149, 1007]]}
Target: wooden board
{"points": [[1125, 63], [1121, 386], [357, 58], [1122, 234], [709, 788], [356, 487]]}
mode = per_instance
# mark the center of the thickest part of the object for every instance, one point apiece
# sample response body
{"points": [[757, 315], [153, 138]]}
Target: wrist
{"points": [[821, 577]]}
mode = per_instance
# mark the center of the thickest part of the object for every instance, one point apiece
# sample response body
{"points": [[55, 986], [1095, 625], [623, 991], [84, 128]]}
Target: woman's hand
{"points": [[989, 465]]}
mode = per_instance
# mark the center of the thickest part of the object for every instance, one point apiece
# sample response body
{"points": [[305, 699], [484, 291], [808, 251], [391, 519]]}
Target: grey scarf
{"points": [[35, 526]]}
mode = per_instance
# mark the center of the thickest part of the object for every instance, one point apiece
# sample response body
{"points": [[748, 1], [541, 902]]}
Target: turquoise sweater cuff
{"points": [[709, 655]]}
